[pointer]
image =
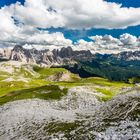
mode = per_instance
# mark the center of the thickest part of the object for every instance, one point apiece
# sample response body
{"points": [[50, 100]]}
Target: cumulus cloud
{"points": [[105, 40], [74, 14], [128, 39], [37, 37], [6, 24], [17, 26], [109, 44]]}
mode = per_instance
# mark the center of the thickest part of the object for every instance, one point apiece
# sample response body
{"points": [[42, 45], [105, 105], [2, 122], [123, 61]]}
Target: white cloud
{"points": [[6, 23], [39, 38], [84, 45], [128, 39], [44, 38], [105, 40], [24, 31], [74, 14], [109, 44]]}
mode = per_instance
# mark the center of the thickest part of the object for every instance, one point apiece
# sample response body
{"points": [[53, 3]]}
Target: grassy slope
{"points": [[44, 92], [38, 87]]}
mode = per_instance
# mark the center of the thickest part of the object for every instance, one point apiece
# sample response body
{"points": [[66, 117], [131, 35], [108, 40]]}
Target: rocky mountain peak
{"points": [[48, 57], [18, 48], [129, 56]]}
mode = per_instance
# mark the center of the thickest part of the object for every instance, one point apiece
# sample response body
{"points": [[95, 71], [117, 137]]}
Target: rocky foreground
{"points": [[76, 116]]}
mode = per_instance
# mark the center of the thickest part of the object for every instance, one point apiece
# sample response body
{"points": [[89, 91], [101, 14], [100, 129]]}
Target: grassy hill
{"points": [[26, 81]]}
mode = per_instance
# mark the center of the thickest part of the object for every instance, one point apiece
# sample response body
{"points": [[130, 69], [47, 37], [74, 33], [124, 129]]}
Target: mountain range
{"points": [[58, 56], [44, 57], [118, 67]]}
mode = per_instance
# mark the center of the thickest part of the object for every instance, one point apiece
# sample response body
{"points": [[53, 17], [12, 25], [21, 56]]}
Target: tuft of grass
{"points": [[107, 94], [105, 91]]}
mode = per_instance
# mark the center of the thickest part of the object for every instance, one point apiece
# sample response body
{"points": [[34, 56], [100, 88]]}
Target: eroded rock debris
{"points": [[75, 116]]}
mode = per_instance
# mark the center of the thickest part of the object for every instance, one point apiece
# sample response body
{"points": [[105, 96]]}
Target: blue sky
{"points": [[7, 2], [75, 35], [83, 34], [125, 3]]}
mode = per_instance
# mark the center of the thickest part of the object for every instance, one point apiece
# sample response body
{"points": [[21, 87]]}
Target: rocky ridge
{"points": [[129, 56], [58, 57], [44, 57]]}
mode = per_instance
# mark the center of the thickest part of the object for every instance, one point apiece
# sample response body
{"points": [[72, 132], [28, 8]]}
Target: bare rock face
{"points": [[45, 57], [76, 55], [20, 54], [32, 55], [58, 57], [5, 53], [128, 56], [61, 76]]}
